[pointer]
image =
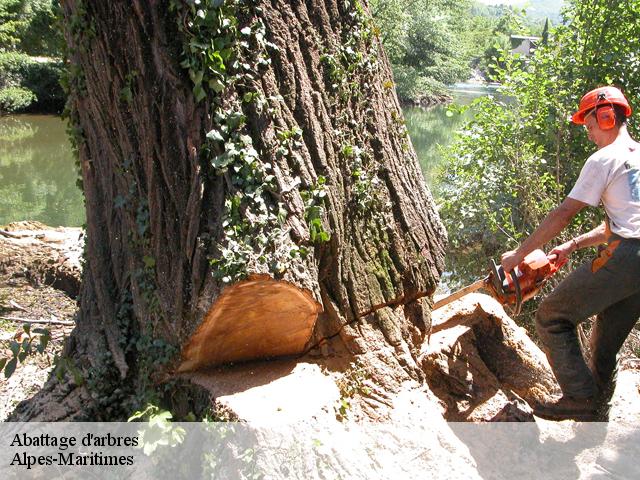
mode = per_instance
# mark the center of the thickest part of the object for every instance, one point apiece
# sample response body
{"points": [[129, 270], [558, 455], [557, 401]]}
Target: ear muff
{"points": [[606, 117]]}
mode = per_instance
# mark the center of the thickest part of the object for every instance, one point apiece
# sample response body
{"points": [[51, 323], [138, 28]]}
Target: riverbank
{"points": [[426, 101]]}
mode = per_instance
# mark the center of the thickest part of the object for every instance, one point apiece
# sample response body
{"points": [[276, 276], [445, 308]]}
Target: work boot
{"points": [[570, 408]]}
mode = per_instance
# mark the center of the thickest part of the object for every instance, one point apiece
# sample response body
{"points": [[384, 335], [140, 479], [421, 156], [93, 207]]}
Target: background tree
{"points": [[433, 44], [425, 44], [220, 140], [28, 83]]}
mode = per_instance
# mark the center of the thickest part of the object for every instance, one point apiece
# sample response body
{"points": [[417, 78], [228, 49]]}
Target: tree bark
{"points": [[229, 154]]}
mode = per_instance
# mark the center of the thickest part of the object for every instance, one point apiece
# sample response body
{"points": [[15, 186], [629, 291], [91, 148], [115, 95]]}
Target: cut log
{"points": [[482, 366]]}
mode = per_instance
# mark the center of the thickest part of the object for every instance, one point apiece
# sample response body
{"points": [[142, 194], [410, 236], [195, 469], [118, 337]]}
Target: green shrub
{"points": [[412, 87], [12, 66], [42, 78], [15, 99]]}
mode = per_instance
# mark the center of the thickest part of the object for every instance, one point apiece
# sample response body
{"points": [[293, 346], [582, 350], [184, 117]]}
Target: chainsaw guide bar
{"points": [[515, 287]]}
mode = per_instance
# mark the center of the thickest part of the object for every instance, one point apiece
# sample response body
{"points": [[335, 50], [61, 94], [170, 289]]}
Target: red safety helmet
{"points": [[601, 96]]}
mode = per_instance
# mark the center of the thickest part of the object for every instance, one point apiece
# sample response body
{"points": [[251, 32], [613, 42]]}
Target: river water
{"points": [[38, 173], [432, 130]]}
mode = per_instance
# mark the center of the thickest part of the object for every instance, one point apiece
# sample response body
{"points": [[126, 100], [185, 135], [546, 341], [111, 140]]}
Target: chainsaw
{"points": [[515, 287]]}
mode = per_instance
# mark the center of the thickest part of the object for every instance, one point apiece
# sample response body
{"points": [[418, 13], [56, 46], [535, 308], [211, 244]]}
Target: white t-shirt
{"points": [[612, 175]]}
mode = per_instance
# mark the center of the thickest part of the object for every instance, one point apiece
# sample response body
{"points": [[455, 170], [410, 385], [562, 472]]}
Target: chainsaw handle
{"points": [[555, 264]]}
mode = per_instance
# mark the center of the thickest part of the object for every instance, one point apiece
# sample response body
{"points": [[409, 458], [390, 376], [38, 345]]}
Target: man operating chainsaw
{"points": [[609, 286]]}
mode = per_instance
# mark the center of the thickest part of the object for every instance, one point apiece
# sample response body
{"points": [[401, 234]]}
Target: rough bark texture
{"points": [[157, 202]]}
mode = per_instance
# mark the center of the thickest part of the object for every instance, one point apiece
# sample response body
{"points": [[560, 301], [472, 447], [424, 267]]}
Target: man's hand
{"points": [[563, 251], [511, 260]]}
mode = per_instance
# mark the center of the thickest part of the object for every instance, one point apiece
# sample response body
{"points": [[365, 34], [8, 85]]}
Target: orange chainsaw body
{"points": [[525, 281]]}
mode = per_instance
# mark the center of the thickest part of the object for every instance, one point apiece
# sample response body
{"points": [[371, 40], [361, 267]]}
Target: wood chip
{"points": [[17, 306], [29, 320]]}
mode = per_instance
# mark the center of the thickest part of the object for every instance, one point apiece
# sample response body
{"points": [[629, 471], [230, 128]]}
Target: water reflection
{"points": [[432, 129], [37, 172]]}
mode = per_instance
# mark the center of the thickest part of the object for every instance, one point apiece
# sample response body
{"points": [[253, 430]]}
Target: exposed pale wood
{"points": [[477, 285], [17, 306], [29, 320], [256, 318]]}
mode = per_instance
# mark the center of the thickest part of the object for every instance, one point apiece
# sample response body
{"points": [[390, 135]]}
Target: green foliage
{"points": [[13, 68], [66, 365], [42, 37], [520, 155], [314, 211], [158, 431], [411, 85], [224, 57], [41, 78], [432, 46], [423, 41], [28, 41], [34, 341], [12, 23], [15, 99], [28, 26], [512, 21], [435, 43]]}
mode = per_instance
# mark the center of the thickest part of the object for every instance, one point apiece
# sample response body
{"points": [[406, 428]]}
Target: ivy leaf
{"points": [[126, 94], [199, 93], [249, 97], [10, 368], [216, 85], [222, 160], [196, 76], [149, 262], [235, 120], [218, 61], [215, 135], [323, 236]]}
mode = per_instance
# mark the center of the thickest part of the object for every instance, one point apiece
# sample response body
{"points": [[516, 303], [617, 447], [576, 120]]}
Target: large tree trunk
{"points": [[243, 165]]}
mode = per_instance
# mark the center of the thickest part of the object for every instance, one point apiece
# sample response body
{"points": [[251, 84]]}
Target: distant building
{"points": [[523, 45]]}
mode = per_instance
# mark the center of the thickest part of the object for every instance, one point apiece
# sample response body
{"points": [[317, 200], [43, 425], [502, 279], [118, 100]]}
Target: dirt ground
{"points": [[39, 279]]}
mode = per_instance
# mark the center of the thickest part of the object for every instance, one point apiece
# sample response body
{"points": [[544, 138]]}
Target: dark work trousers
{"points": [[612, 292]]}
